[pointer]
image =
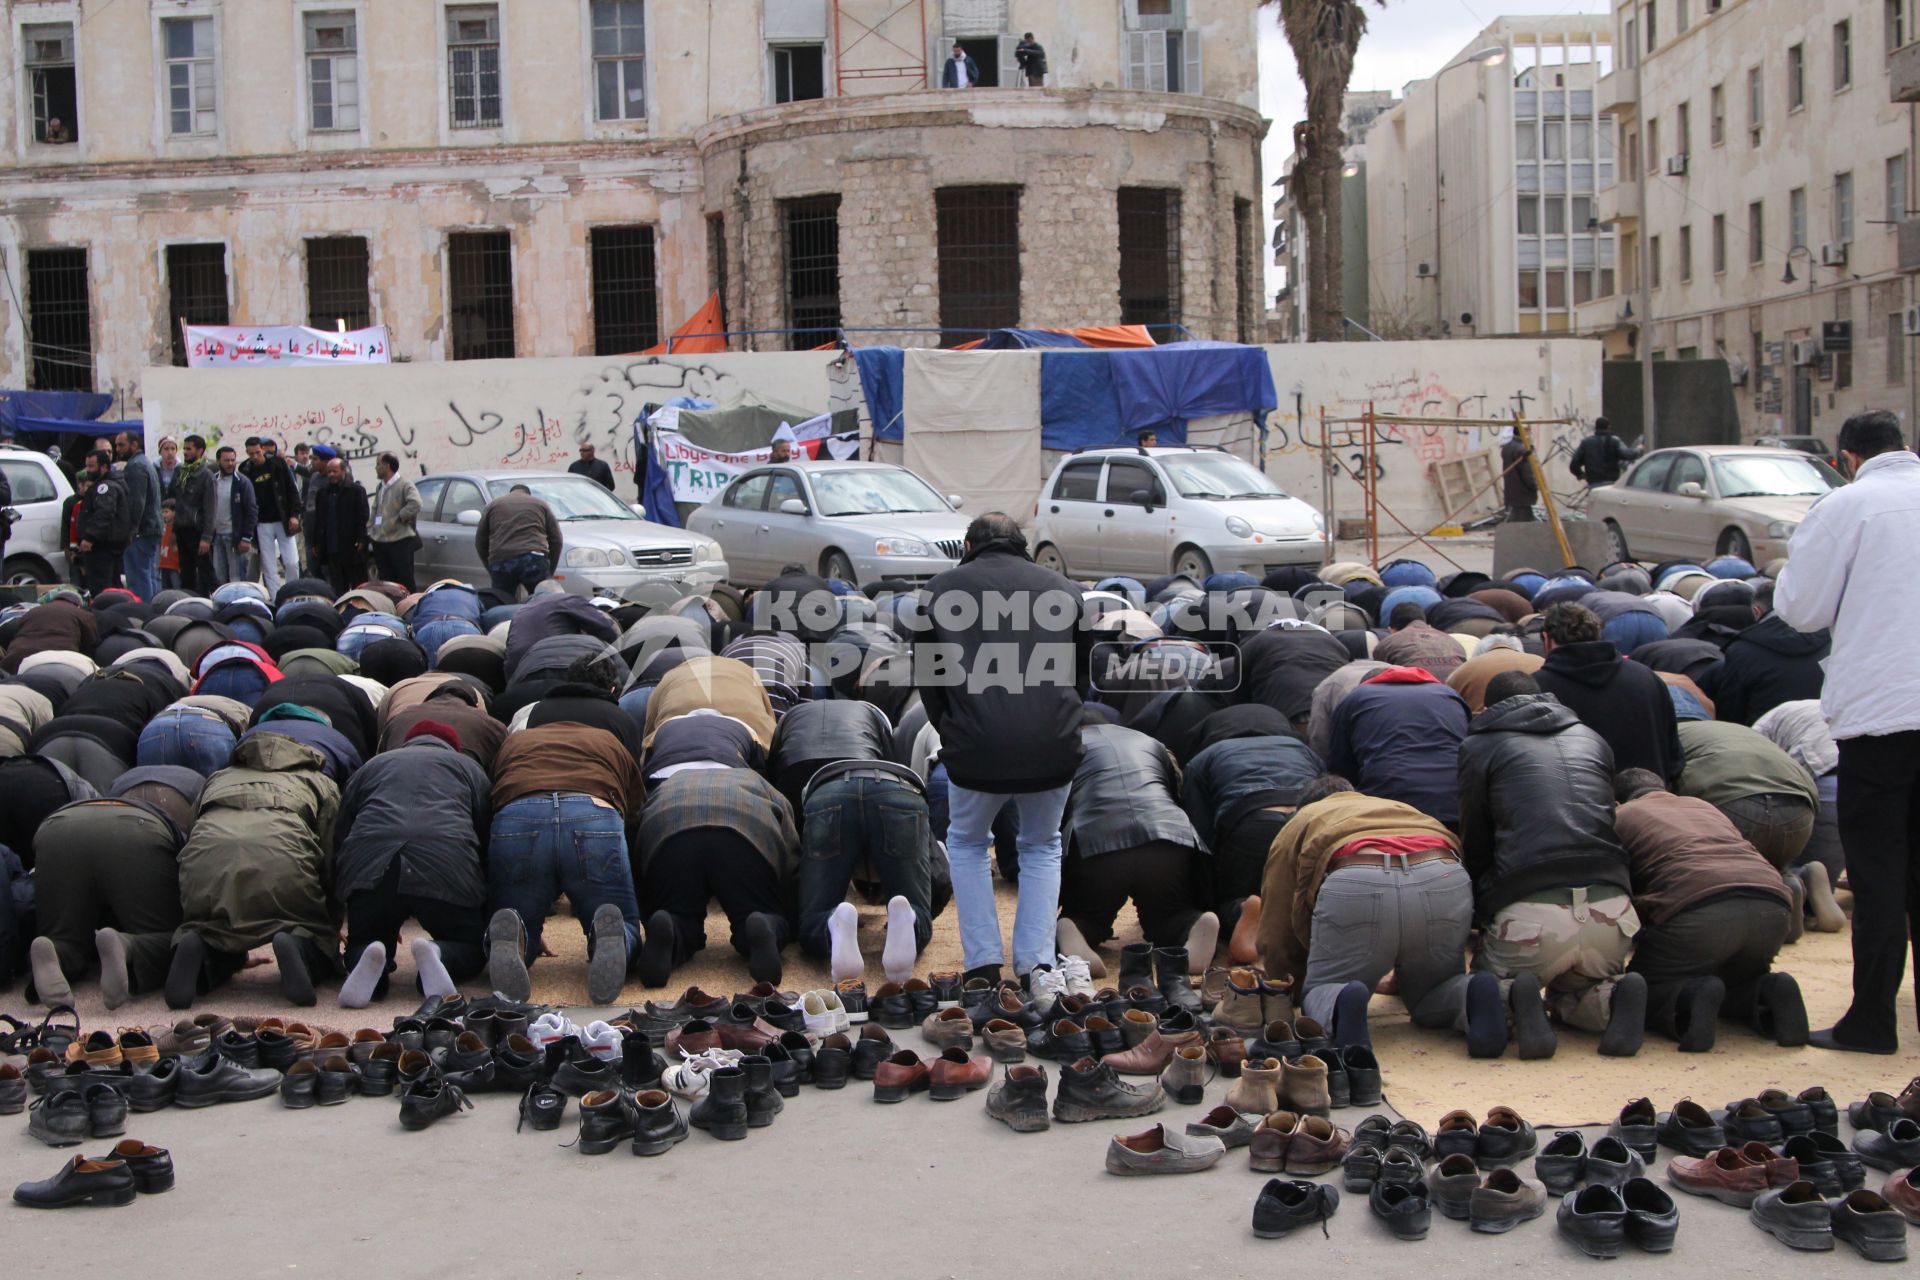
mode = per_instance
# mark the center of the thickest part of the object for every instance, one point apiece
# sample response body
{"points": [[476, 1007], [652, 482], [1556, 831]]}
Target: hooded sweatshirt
{"points": [[1622, 701], [1767, 664]]}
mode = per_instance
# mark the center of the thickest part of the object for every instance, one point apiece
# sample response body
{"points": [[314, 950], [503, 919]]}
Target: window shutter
{"points": [[1010, 76], [1190, 73]]}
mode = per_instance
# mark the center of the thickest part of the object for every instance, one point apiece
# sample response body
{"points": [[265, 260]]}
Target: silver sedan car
{"points": [[1703, 501], [857, 521]]}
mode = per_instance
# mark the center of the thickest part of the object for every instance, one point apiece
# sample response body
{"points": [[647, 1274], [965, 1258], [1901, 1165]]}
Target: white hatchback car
{"points": [[36, 545], [1147, 512]]}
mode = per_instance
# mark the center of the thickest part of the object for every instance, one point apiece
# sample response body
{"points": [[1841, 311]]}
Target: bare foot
{"points": [[1244, 946]]}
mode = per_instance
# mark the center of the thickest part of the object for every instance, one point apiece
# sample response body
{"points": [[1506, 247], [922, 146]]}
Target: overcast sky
{"points": [[1407, 40]]}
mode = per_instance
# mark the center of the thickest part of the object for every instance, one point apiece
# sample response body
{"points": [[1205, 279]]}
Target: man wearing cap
{"points": [[412, 839], [277, 499], [783, 442]]}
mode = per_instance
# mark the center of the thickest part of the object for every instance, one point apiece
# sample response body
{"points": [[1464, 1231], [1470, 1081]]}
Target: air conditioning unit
{"points": [[1833, 255], [1806, 351], [1424, 270], [1677, 165], [1910, 322]]}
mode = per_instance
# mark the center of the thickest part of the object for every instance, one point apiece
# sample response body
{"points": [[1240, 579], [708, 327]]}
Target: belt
{"points": [[1378, 858], [884, 770]]}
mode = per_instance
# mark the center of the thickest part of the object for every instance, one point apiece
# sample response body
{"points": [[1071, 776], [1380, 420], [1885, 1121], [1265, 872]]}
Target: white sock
{"points": [[843, 926], [902, 948], [434, 978], [357, 991]]}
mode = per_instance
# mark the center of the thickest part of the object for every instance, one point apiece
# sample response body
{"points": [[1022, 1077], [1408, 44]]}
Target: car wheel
{"points": [[1048, 556], [1617, 543], [835, 564], [1192, 562], [1734, 543], [29, 571]]}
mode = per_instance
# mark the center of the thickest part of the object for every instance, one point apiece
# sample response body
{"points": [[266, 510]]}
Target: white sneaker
{"points": [[549, 1028], [1078, 976], [824, 1014], [688, 1079], [1044, 986], [603, 1041]]}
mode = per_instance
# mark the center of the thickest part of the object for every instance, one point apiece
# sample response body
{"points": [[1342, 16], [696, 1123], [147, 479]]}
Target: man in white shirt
{"points": [[1854, 560], [961, 71]]}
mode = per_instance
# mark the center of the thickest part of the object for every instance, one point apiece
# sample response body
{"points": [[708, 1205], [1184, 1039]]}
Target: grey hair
{"points": [[1489, 643]]}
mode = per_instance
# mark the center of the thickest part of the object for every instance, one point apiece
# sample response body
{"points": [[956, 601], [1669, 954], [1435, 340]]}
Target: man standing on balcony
{"points": [[961, 71], [1031, 58]]}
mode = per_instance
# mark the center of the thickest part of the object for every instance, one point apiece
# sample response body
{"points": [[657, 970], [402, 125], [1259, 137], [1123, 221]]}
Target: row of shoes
{"points": [[1887, 1136], [131, 1169]]}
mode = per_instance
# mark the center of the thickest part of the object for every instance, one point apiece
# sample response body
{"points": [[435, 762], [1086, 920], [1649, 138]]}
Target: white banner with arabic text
{"points": [[286, 346]]}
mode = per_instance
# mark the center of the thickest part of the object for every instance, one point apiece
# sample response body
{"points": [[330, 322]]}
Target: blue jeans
{"points": [[188, 737], [546, 845], [970, 819], [527, 571], [223, 562], [141, 563], [877, 823]]}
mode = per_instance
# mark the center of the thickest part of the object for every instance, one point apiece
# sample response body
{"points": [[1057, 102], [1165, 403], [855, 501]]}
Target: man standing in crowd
{"points": [[228, 520], [1624, 702], [396, 506], [303, 481], [188, 489], [277, 499], [340, 529], [1601, 457], [592, 468], [1004, 705], [1031, 58], [169, 465], [1855, 559], [1518, 488], [103, 524], [518, 540], [142, 558], [961, 71]]}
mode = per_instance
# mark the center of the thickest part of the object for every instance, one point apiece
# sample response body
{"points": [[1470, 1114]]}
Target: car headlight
{"points": [[1239, 528], [1319, 522], [1782, 528], [702, 552], [586, 558], [901, 547], [616, 556]]}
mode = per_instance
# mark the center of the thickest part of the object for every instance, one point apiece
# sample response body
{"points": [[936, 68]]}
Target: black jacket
{"points": [[276, 494], [1601, 458], [425, 804], [1694, 659], [1536, 804], [1281, 667], [339, 521], [814, 734], [570, 702], [596, 470], [1623, 702], [1518, 488], [1125, 794], [1767, 664], [1397, 739], [106, 512], [1247, 759], [998, 686]]}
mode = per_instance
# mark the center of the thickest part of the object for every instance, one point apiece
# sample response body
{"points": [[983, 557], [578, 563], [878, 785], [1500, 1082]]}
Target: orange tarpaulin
{"points": [[707, 320], [1099, 335]]}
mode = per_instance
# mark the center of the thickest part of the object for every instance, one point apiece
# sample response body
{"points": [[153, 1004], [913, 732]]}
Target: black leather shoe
{"points": [[1363, 1076], [106, 1110], [151, 1167], [414, 1065], [1339, 1084], [60, 1119], [723, 1111], [833, 1062], [1639, 1127], [335, 1082], [1876, 1111], [640, 1066], [1824, 1111], [1146, 999], [242, 1047], [799, 1051], [1282, 1206], [542, 1106], [439, 1033], [1794, 1114], [1747, 1121], [1872, 1226], [889, 1006], [1404, 1207], [1062, 1041], [82, 1181], [946, 989], [300, 1087], [1276, 1040], [1312, 1036], [377, 1076], [1595, 1220], [586, 1074], [1691, 1130], [657, 1123], [409, 1033], [1136, 966], [606, 1121], [430, 1099], [516, 1063], [1652, 1218], [1400, 1165], [779, 1014], [1795, 1215], [922, 1003], [1897, 1147], [1613, 1163], [1173, 980], [1505, 1139], [1825, 1161], [1411, 1136], [153, 1089], [786, 1072], [466, 1062], [276, 1049], [873, 1047], [762, 1099], [1006, 1003], [1562, 1162], [1361, 1165], [223, 1081]]}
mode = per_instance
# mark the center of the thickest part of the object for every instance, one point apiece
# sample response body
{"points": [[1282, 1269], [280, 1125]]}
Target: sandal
{"points": [[18, 1037], [57, 1036]]}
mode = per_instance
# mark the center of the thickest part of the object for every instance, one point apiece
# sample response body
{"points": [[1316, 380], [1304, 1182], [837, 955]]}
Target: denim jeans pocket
{"points": [[904, 832], [601, 858], [512, 856], [821, 838]]}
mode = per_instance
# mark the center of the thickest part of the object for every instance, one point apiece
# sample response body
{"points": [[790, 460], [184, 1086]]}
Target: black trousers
{"points": [[1158, 876], [1880, 831], [376, 914], [688, 869], [100, 568], [394, 561], [222, 965], [1734, 939], [1240, 857], [84, 885], [344, 572], [187, 545]]}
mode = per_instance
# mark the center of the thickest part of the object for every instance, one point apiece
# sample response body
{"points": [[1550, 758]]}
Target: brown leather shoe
{"points": [[948, 1028], [1136, 1025], [692, 1038], [954, 1073], [1317, 1146], [1726, 1175], [362, 1045], [899, 1076], [750, 1037], [1186, 1076], [1303, 1085], [1782, 1171], [1902, 1191], [1267, 1149], [1003, 1041], [1257, 1091], [1240, 1005], [1227, 1051], [1151, 1056], [1276, 999], [334, 1044]]}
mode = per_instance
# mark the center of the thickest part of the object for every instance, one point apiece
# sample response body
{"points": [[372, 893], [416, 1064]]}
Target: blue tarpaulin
{"points": [[1191, 380], [1023, 339], [1078, 408], [78, 406], [79, 426], [882, 375]]}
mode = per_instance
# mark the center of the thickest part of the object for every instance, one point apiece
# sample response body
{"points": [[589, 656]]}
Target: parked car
{"points": [[609, 546], [1708, 500], [857, 521], [1147, 512], [1805, 444], [36, 547]]}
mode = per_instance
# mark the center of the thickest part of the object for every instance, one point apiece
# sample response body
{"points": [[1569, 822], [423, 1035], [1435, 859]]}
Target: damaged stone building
{"points": [[576, 177]]}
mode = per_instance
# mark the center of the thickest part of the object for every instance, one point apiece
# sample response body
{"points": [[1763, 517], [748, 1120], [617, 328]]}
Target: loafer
{"points": [[901, 1074], [1780, 1170], [428, 1100], [1452, 1184], [1795, 1215], [1691, 1130], [1504, 1201], [606, 1121], [60, 1119], [833, 1062], [1875, 1229], [151, 1167], [1824, 1111], [1061, 1041], [335, 1081], [1505, 1139], [1794, 1114], [81, 1181], [379, 1073], [1638, 1126], [1284, 1206], [300, 1087], [783, 1071], [921, 999], [1162, 1150], [657, 1123], [1404, 1208], [542, 1106], [873, 1047], [1562, 1163], [222, 1080], [777, 1013], [1652, 1217], [1458, 1134], [890, 1006], [1726, 1176], [1104, 1037], [1364, 1084], [1267, 1148], [955, 1072], [580, 1076], [1091, 1090], [152, 1089], [1825, 1161], [362, 1043], [948, 1029], [1595, 1220], [1151, 1055], [1613, 1163], [1897, 1147], [1233, 1128], [692, 1038], [1747, 1121], [693, 1003], [1004, 1041], [1019, 1099], [1902, 1191], [1876, 1111], [1317, 1146]]}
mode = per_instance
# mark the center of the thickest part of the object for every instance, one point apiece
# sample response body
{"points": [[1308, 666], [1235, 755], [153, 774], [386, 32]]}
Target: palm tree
{"points": [[1324, 35]]}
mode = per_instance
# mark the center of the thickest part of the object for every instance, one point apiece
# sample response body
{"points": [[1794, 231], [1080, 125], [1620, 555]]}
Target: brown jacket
{"points": [[1297, 864], [516, 524], [1420, 645], [727, 685], [1684, 851], [1471, 678], [572, 758]]}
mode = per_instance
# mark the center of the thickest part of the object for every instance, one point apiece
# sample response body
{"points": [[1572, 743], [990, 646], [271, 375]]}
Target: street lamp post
{"points": [[1488, 57]]}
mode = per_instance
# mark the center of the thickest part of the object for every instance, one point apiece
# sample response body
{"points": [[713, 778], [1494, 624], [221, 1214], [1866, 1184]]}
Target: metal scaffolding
{"points": [[902, 20]]}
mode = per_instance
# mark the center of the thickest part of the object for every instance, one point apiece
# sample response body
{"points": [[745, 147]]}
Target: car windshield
{"points": [[1217, 476], [867, 493], [1786, 476], [571, 497]]}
